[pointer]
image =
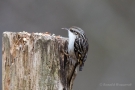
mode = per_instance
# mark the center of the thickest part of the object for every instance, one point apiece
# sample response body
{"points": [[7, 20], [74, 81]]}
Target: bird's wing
{"points": [[81, 49]]}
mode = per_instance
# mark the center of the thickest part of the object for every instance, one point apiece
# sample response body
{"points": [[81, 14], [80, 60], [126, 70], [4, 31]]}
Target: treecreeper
{"points": [[77, 49]]}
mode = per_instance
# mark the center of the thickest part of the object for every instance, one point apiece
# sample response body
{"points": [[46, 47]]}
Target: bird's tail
{"points": [[81, 66]]}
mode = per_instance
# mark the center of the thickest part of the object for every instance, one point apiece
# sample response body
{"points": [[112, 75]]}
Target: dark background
{"points": [[108, 24]]}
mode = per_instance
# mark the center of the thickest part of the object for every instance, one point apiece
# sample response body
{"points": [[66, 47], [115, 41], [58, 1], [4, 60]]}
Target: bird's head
{"points": [[75, 30]]}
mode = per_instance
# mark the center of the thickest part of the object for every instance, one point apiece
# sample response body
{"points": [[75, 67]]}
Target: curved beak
{"points": [[65, 28]]}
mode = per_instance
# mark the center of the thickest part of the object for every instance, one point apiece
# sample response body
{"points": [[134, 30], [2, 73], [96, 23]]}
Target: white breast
{"points": [[71, 42]]}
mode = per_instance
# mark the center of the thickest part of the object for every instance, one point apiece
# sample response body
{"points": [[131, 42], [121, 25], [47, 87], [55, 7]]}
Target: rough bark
{"points": [[35, 61]]}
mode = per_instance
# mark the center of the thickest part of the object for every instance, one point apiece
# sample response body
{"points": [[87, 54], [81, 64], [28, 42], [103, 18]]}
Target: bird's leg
{"points": [[65, 53]]}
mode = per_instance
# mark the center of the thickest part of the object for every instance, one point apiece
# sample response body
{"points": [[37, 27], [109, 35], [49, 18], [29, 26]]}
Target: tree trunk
{"points": [[35, 61]]}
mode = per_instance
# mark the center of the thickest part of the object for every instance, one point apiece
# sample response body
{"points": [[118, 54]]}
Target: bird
{"points": [[77, 46]]}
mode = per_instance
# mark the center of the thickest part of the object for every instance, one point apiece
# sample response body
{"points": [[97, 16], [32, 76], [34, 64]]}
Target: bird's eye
{"points": [[71, 30]]}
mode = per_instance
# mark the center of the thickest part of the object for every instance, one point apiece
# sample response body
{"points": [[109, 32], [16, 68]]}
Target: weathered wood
{"points": [[35, 62]]}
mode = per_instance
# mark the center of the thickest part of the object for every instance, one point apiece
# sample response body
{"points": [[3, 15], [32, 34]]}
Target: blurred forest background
{"points": [[108, 24]]}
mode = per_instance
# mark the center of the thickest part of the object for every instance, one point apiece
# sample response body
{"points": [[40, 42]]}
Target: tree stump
{"points": [[35, 61]]}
